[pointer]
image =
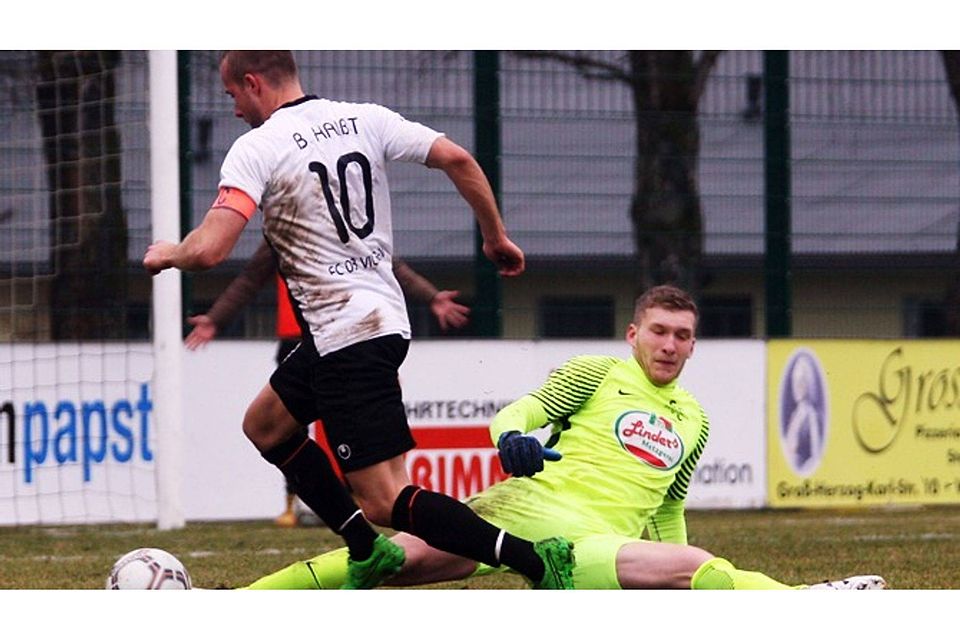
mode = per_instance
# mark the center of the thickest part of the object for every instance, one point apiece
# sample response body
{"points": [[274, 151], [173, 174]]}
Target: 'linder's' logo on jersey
{"points": [[651, 438]]}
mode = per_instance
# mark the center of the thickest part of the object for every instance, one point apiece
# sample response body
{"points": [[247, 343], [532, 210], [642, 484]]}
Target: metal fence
{"points": [[873, 174]]}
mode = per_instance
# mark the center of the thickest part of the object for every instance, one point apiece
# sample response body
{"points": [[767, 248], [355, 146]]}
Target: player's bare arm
{"points": [[260, 268], [448, 312], [412, 283], [466, 174], [205, 247]]}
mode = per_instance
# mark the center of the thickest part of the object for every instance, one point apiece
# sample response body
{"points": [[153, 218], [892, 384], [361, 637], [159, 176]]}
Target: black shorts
{"points": [[285, 346], [356, 392]]}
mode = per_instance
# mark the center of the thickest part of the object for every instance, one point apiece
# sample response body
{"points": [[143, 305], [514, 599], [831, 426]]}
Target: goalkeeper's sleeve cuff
{"points": [[523, 415]]}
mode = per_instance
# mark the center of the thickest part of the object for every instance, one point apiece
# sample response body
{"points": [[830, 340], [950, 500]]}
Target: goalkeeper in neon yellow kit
{"points": [[629, 441]]}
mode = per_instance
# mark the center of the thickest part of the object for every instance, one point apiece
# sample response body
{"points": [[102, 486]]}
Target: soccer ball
{"points": [[148, 569]]}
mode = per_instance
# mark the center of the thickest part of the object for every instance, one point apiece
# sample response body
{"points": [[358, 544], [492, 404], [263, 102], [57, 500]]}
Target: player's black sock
{"points": [[307, 469], [450, 525]]}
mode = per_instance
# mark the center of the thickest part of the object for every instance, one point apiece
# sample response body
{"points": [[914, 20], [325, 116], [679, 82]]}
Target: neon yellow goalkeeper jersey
{"points": [[629, 450]]}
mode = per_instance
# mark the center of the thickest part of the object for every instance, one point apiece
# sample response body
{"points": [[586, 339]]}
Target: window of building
{"points": [[725, 317], [924, 318], [576, 317]]}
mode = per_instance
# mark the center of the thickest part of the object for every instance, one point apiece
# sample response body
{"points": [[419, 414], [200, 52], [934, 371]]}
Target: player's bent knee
{"points": [[267, 423], [257, 431]]}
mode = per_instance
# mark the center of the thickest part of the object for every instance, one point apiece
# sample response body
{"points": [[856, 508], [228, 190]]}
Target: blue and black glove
{"points": [[522, 455]]}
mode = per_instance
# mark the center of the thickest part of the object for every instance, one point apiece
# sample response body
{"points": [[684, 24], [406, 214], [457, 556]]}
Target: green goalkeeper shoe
{"points": [[557, 556], [385, 561]]}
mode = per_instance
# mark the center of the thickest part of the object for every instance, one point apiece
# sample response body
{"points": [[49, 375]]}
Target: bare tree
{"points": [[666, 213], [75, 92]]}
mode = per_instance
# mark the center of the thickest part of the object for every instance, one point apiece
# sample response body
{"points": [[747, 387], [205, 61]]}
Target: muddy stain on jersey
{"points": [[337, 302], [368, 327], [288, 228], [284, 226]]}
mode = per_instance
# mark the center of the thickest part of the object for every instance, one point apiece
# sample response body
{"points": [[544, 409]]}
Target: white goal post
{"points": [[91, 392], [166, 299]]}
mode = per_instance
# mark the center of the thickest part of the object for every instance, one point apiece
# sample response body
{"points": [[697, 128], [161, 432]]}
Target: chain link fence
{"points": [[594, 181]]}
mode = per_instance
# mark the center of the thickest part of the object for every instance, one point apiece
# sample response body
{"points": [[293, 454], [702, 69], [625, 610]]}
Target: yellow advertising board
{"points": [[863, 422]]}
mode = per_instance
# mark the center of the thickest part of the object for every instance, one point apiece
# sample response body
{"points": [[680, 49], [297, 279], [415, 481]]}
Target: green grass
{"points": [[914, 548]]}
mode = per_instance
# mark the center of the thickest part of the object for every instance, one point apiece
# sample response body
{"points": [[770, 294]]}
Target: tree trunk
{"points": [[76, 96], [666, 210]]}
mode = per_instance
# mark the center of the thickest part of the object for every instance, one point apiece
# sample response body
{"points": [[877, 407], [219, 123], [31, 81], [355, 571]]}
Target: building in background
{"points": [[875, 179]]}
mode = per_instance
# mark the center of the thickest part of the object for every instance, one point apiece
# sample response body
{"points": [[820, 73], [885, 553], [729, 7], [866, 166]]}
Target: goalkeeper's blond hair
{"points": [[665, 296]]}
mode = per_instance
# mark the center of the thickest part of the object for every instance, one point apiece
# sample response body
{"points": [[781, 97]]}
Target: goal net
{"points": [[78, 428]]}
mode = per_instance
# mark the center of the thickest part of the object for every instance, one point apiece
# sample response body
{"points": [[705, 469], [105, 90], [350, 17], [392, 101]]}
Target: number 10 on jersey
{"points": [[341, 214]]}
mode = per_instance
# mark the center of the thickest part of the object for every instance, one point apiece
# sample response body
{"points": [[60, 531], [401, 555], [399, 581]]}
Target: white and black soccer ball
{"points": [[148, 569]]}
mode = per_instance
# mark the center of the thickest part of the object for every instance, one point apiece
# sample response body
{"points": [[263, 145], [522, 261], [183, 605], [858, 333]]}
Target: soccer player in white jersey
{"points": [[317, 170], [629, 438]]}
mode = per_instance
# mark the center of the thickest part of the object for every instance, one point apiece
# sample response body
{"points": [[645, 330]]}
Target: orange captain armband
{"points": [[235, 200]]}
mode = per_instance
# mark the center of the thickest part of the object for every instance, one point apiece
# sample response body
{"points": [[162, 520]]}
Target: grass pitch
{"points": [[913, 548]]}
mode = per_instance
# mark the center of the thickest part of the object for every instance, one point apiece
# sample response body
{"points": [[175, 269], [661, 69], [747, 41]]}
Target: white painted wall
{"points": [[68, 474]]}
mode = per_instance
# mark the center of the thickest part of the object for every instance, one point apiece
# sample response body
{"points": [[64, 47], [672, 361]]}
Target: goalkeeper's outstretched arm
{"points": [[565, 391]]}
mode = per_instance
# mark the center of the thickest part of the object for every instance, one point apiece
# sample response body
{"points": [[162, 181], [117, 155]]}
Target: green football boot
{"points": [[558, 561], [385, 561]]}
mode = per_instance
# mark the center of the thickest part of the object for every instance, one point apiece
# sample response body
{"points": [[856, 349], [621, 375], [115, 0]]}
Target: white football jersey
{"points": [[316, 168]]}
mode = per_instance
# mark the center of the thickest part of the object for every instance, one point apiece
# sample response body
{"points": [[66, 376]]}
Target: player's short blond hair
{"points": [[665, 296], [274, 66]]}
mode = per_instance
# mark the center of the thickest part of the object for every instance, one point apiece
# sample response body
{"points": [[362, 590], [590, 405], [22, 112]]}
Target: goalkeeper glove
{"points": [[522, 455]]}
